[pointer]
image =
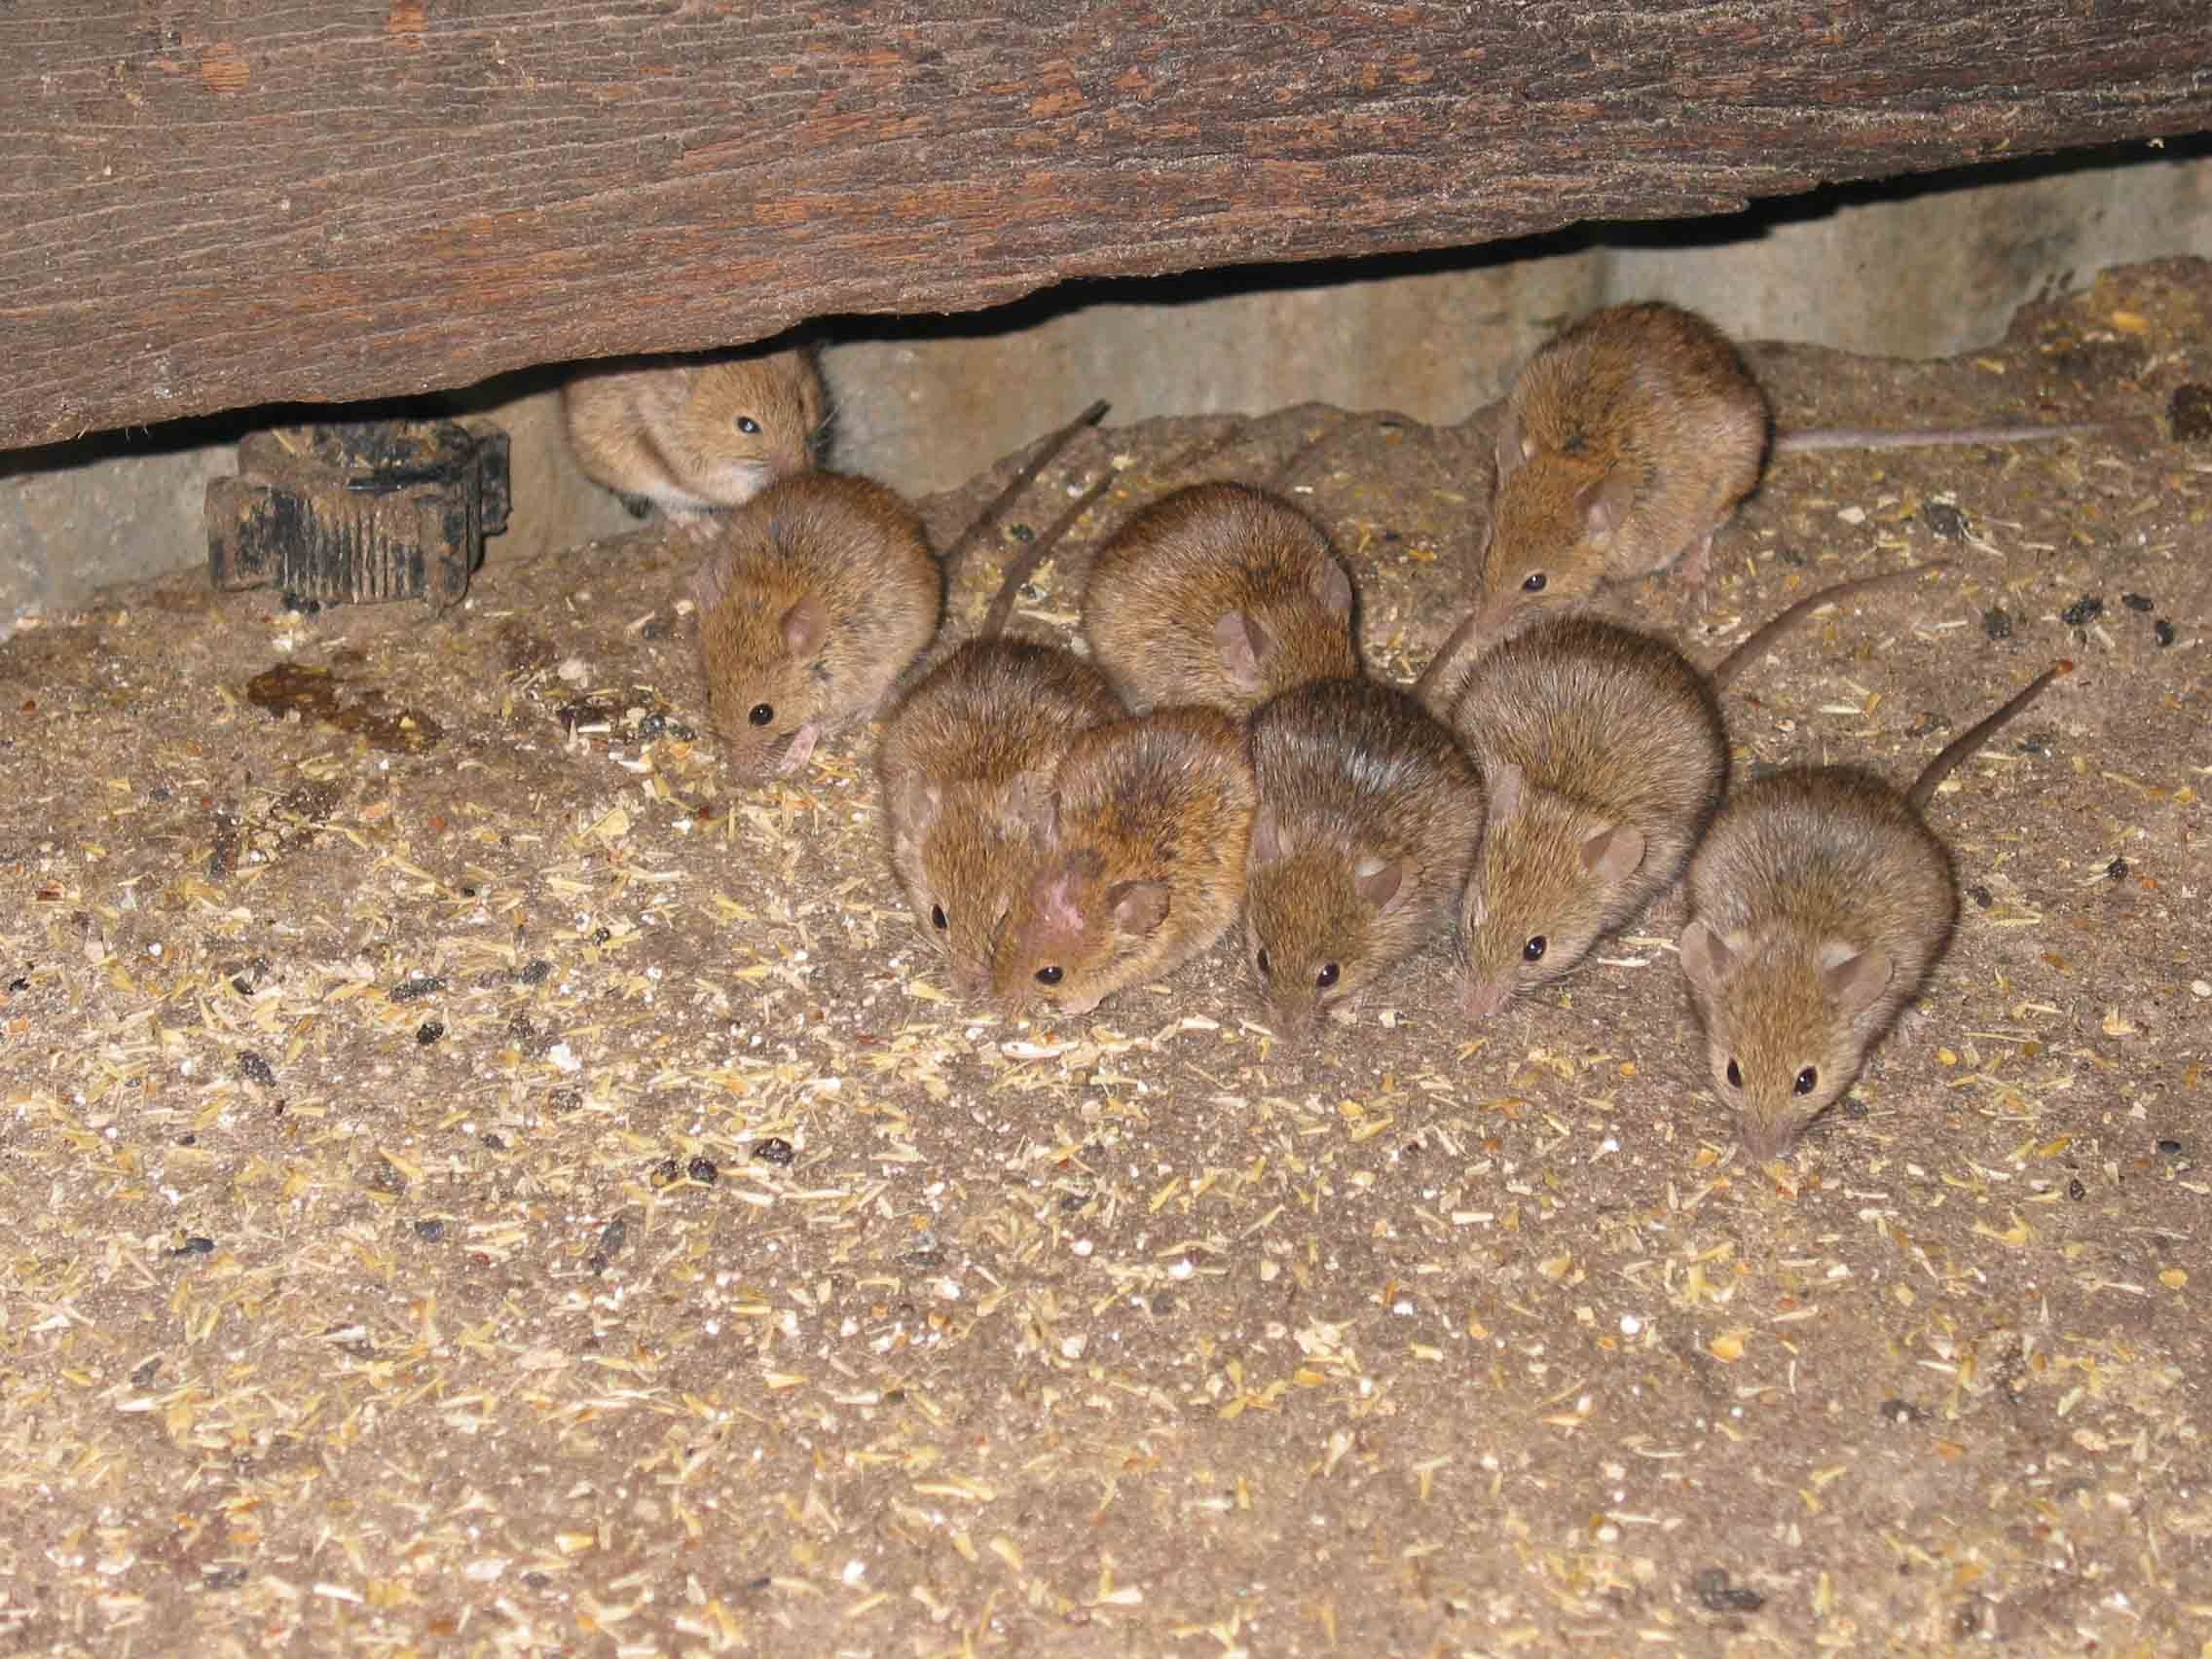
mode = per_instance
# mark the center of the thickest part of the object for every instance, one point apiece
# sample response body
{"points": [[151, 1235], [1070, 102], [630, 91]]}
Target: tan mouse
{"points": [[1218, 595], [1142, 841], [1369, 817], [1625, 442], [1603, 755], [817, 592], [692, 434], [966, 762], [1818, 903]]}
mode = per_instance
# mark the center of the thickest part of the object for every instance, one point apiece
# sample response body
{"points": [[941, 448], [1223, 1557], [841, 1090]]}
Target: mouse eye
{"points": [[1735, 1074], [1326, 978], [762, 714], [1047, 976], [1808, 1080], [746, 425], [1266, 967], [1534, 950], [937, 917], [1535, 583]]}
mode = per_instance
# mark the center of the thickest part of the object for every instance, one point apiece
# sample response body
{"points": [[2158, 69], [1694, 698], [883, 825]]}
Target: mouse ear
{"points": [[1613, 852], [914, 807], [1706, 956], [1334, 588], [1244, 646], [1032, 804], [709, 583], [1380, 882], [1853, 977], [1504, 781], [1513, 445], [1139, 907], [662, 393], [1268, 843], [803, 626], [1604, 504]]}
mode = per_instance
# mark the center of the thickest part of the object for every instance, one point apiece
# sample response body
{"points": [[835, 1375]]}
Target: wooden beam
{"points": [[208, 203]]}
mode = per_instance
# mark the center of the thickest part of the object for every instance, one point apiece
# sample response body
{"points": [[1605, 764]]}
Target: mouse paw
{"points": [[1696, 565], [801, 746]]}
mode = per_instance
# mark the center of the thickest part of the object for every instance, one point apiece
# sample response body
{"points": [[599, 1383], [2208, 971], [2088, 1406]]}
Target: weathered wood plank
{"points": [[205, 204]]}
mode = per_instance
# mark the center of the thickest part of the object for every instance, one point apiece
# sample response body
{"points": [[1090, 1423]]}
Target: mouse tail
{"points": [[1897, 438], [1433, 677], [1000, 503], [1753, 648], [1033, 556], [1974, 736]]}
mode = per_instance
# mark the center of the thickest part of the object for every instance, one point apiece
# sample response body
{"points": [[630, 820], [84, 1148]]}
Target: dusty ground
{"points": [[470, 1183]]}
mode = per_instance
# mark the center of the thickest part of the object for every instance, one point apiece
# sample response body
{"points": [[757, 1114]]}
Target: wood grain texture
{"points": [[205, 204]]}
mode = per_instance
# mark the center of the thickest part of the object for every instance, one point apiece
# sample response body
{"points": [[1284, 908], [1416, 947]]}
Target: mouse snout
{"points": [[1480, 998], [1764, 1138], [1296, 1020]]}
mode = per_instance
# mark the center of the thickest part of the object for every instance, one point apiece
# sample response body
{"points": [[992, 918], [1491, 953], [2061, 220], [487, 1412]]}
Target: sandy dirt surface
{"points": [[473, 1181]]}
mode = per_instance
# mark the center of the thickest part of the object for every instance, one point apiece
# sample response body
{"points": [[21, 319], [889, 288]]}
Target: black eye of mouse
{"points": [[746, 425], [1534, 950], [1535, 583], [762, 714], [937, 917], [1808, 1080], [1266, 967], [1326, 978], [1047, 976], [1735, 1075]]}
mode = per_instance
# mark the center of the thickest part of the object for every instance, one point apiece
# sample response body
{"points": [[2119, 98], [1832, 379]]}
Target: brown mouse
{"points": [[1141, 849], [1218, 595], [1627, 442], [689, 435], [966, 758], [817, 592], [1369, 817], [1604, 756], [1818, 903]]}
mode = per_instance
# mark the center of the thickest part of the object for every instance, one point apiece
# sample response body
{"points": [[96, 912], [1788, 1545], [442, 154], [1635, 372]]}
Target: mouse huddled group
{"points": [[1064, 827]]}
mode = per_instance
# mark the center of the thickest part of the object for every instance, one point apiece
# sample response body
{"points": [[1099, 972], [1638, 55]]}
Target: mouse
{"points": [[1819, 902], [1219, 595], [966, 762], [1141, 841], [815, 595], [1603, 755], [689, 435], [1369, 816], [1627, 442]]}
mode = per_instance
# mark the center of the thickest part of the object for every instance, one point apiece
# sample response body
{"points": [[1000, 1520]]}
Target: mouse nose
{"points": [[1483, 997], [1765, 1138]]}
